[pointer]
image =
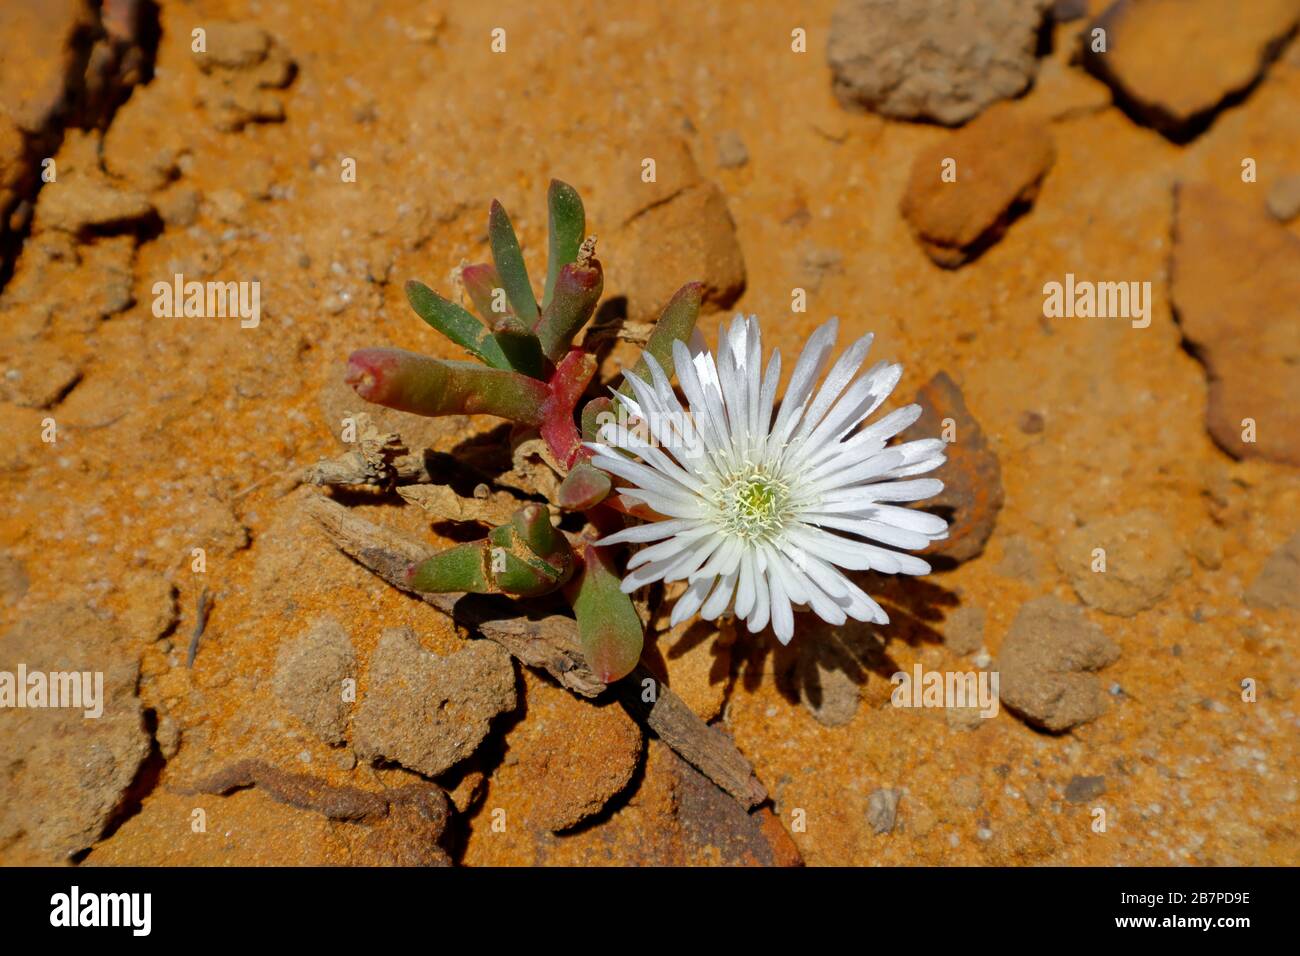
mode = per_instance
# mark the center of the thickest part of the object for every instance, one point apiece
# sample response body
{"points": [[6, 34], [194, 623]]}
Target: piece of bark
{"points": [[705, 748], [384, 460], [372, 462], [548, 643], [494, 508], [355, 468]]}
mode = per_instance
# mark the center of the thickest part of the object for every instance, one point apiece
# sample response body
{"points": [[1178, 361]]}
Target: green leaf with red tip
{"points": [[415, 383], [455, 323], [510, 266], [568, 221], [481, 282], [576, 293], [676, 321], [585, 486], [609, 628]]}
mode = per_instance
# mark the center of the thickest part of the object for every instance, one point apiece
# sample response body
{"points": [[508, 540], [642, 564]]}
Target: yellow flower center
{"points": [[752, 504]]}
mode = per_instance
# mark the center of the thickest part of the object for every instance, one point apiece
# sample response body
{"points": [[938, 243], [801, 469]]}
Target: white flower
{"points": [[759, 514]]}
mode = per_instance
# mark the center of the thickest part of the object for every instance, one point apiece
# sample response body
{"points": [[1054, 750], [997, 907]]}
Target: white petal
{"points": [[806, 371], [646, 574], [689, 602], [669, 507], [782, 616], [720, 598], [861, 607], [746, 589], [779, 568], [724, 561], [762, 610], [692, 557], [653, 531], [677, 544], [767, 396], [916, 490], [920, 468], [708, 418], [856, 555], [876, 530], [840, 375], [909, 519], [641, 475], [817, 598]]}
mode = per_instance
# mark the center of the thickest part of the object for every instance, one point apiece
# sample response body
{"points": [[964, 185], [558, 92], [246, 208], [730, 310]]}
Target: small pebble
{"points": [[1284, 198], [1031, 423], [882, 807], [1083, 789], [732, 152]]}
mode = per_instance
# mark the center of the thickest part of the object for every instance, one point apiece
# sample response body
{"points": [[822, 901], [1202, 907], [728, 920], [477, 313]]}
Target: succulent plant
{"points": [[528, 371]]}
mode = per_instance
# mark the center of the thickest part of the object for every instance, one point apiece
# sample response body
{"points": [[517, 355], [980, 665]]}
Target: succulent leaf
{"points": [[592, 414], [455, 323], [510, 265], [520, 345], [609, 628], [481, 282], [461, 568], [585, 486], [576, 293], [527, 557], [416, 383], [676, 321], [568, 222]]}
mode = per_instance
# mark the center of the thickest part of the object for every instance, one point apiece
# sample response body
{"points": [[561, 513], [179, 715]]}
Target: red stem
{"points": [[567, 385]]}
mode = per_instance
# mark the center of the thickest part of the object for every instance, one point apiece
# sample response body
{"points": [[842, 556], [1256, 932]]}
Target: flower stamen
{"points": [[752, 504]]}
